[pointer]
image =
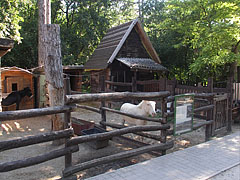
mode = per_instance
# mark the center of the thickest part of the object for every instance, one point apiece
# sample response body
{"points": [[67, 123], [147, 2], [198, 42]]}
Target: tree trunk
{"points": [[41, 22], [54, 71]]}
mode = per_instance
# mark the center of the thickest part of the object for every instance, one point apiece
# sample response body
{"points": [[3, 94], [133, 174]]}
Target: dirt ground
{"points": [[53, 169]]}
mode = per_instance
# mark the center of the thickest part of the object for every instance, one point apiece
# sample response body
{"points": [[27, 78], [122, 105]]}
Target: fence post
{"points": [[208, 130], [67, 120], [174, 85], [230, 103], [210, 85], [164, 121], [103, 104]]}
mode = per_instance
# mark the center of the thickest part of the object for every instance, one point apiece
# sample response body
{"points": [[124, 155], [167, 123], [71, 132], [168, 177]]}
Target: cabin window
{"points": [[14, 86]]}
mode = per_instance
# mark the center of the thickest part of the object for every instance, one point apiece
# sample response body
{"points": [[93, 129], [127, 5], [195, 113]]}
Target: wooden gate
{"points": [[220, 113]]}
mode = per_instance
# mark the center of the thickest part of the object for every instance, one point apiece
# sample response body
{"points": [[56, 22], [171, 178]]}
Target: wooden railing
{"points": [[72, 143]]}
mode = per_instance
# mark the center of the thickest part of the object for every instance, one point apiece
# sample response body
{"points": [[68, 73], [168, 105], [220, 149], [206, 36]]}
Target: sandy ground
{"points": [[52, 169]]}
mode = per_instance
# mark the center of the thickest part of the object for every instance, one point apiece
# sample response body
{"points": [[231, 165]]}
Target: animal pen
{"points": [[205, 103]]}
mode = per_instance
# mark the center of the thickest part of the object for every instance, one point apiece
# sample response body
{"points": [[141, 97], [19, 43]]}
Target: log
{"points": [[198, 125], [116, 96], [117, 126], [133, 144], [133, 116], [103, 160], [118, 83], [30, 140], [204, 108], [108, 135], [88, 108], [21, 114], [9, 166]]}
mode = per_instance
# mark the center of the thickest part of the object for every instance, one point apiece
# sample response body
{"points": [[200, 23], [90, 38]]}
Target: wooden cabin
{"points": [[5, 46], [16, 79], [124, 56]]}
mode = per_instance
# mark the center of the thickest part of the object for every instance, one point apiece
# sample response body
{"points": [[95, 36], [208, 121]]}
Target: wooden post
{"points": [[174, 84], [208, 130], [230, 103], [164, 121], [67, 120], [134, 82], [54, 72], [103, 104], [210, 85]]}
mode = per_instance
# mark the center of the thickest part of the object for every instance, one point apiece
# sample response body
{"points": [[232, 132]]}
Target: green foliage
{"points": [[10, 19], [209, 28], [24, 54]]}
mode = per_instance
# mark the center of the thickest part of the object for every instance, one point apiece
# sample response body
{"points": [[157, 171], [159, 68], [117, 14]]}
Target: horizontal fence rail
{"points": [[30, 140], [115, 96], [28, 113], [108, 135], [9, 166], [156, 147]]}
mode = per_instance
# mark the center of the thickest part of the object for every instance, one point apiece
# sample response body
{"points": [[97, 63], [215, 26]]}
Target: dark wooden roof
{"points": [[113, 41], [5, 46], [142, 64]]}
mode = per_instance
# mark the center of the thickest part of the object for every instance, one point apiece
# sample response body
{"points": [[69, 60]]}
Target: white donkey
{"points": [[144, 108]]}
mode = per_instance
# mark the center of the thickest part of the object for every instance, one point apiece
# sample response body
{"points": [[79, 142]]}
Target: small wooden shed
{"points": [[16, 79], [75, 74], [124, 55]]}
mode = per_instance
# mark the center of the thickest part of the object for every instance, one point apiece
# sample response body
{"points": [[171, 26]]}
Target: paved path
{"points": [[198, 162]]}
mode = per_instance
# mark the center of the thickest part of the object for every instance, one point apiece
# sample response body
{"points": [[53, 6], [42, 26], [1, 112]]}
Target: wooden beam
{"points": [[103, 160], [116, 96], [147, 135], [204, 108], [88, 108], [9, 166], [21, 114], [108, 135], [30, 140]]}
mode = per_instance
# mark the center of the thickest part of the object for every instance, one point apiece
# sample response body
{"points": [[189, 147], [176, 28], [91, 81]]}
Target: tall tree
{"points": [[210, 27]]}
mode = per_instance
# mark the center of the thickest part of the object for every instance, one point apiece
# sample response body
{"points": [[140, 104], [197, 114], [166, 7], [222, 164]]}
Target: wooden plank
{"points": [[147, 135], [116, 96], [9, 166], [204, 108], [103, 160], [108, 135], [30, 140], [88, 108], [21, 114], [118, 83]]}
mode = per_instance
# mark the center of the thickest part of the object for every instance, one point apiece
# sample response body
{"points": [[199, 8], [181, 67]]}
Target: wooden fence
{"points": [[73, 142]]}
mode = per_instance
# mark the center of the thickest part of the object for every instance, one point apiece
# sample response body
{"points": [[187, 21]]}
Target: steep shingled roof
{"points": [[112, 42], [142, 63]]}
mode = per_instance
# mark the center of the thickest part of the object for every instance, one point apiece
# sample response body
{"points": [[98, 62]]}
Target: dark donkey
{"points": [[16, 97]]}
